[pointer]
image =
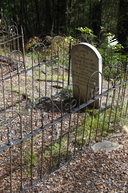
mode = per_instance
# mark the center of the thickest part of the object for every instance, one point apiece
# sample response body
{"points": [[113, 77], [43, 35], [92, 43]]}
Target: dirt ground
{"points": [[88, 172], [91, 172]]}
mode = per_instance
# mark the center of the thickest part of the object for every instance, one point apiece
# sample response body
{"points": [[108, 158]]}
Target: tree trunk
{"points": [[122, 26], [96, 12]]}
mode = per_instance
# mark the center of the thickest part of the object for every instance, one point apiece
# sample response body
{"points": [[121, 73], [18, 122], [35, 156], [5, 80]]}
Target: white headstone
{"points": [[86, 60]]}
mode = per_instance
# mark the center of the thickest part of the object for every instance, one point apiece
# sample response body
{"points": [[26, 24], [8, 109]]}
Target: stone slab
{"points": [[86, 60], [106, 146]]}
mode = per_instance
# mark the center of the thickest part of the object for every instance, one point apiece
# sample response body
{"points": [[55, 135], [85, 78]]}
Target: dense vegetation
{"points": [[53, 17]]}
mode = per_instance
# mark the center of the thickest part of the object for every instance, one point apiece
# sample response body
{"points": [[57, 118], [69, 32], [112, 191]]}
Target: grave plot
{"points": [[46, 118]]}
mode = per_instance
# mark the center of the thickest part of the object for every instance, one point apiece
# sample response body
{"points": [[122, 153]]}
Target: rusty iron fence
{"points": [[41, 125]]}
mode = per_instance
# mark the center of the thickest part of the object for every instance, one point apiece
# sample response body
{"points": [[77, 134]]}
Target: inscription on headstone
{"points": [[86, 60]]}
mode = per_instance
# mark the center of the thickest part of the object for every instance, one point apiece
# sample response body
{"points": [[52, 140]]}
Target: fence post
{"points": [[69, 67]]}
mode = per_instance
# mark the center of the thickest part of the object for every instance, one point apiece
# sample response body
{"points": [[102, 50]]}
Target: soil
{"points": [[91, 172], [88, 171]]}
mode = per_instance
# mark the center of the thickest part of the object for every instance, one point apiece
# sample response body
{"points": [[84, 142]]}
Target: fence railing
{"points": [[41, 125]]}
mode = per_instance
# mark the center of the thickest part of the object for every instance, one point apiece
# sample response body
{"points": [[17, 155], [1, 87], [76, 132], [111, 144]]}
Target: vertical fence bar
{"points": [[98, 119], [3, 93], [68, 138], [10, 152], [99, 112], [42, 154], [46, 79], [76, 133], [11, 84], [106, 102], [116, 108], [31, 111], [111, 109], [123, 99], [51, 68], [84, 127], [24, 61], [19, 87], [69, 66], [60, 137], [51, 150], [21, 155]]}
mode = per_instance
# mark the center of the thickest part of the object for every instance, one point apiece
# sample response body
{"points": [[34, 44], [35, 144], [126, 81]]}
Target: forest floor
{"points": [[88, 172], [91, 172]]}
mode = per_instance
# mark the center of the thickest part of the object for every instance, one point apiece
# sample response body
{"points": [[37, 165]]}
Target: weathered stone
{"points": [[125, 129], [106, 146], [86, 72]]}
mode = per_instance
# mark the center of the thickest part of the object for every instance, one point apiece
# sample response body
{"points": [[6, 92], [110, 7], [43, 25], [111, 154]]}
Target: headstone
{"points": [[86, 60]]}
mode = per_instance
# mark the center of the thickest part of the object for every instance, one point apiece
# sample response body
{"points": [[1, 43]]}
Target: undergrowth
{"points": [[95, 126]]}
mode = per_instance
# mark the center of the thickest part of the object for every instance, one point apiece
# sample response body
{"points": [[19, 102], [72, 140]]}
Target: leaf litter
{"points": [[91, 172]]}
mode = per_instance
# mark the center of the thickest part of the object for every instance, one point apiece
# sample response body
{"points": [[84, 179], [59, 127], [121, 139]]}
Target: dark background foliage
{"points": [[53, 17]]}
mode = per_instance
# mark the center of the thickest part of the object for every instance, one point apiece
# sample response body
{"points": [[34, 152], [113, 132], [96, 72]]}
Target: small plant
{"points": [[30, 158], [56, 151], [86, 34], [31, 43], [113, 60]]}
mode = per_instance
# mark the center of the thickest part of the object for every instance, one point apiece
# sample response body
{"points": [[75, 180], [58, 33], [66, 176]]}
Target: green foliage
{"points": [[30, 158], [86, 34], [95, 125], [62, 17], [68, 30], [85, 30], [58, 149], [111, 56], [113, 72]]}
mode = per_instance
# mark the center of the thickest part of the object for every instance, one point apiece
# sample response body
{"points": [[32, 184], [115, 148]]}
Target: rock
{"points": [[125, 129], [106, 146], [88, 182]]}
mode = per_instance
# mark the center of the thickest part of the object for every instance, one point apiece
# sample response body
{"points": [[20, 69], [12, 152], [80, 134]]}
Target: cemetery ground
{"points": [[91, 172], [88, 171]]}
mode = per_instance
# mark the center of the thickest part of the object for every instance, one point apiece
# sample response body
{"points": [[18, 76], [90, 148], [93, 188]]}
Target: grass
{"points": [[28, 159], [93, 128]]}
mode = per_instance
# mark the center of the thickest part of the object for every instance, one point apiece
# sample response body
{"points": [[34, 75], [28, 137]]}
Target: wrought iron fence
{"points": [[41, 125]]}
